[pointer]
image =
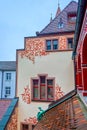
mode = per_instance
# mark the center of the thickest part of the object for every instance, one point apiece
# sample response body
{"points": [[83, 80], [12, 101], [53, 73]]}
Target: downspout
{"points": [[2, 84], [75, 73]]}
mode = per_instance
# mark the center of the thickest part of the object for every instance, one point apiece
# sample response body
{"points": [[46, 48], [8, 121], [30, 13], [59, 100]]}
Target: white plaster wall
{"points": [[10, 83], [0, 82], [58, 65]]}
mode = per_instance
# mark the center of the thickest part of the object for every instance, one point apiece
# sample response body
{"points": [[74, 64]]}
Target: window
{"points": [[70, 43], [50, 88], [48, 45], [52, 45], [43, 88], [60, 23], [35, 88], [72, 17], [55, 44], [7, 91], [8, 76], [25, 126]]}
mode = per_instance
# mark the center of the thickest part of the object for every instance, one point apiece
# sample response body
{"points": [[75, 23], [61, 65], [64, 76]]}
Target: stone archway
{"points": [[84, 66]]}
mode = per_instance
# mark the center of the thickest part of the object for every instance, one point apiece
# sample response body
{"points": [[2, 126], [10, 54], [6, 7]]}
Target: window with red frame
{"points": [[43, 88], [35, 89], [26, 126]]}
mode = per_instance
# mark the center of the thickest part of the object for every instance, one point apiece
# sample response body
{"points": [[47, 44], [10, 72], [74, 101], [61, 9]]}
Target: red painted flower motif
{"points": [[34, 47], [58, 92], [62, 41], [26, 95], [31, 120]]}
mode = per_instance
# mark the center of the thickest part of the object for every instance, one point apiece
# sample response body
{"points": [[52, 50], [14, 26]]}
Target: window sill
{"points": [[42, 100], [59, 50]]}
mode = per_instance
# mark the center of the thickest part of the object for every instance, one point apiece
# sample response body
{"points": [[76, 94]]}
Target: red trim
{"points": [[50, 86], [42, 85], [35, 86], [84, 93]]}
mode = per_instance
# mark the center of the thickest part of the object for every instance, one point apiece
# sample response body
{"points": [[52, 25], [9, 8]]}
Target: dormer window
{"points": [[72, 17], [60, 23]]}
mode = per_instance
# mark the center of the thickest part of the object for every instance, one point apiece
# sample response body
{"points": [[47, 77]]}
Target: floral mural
{"points": [[31, 120], [62, 41], [26, 96], [34, 47], [58, 92], [12, 125]]}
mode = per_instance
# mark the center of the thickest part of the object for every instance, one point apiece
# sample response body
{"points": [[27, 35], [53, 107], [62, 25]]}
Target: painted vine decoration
{"points": [[31, 120], [12, 125], [62, 41], [26, 96], [34, 47], [58, 92]]}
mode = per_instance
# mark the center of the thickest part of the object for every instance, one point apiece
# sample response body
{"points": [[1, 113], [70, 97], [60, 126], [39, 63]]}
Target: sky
{"points": [[23, 18]]}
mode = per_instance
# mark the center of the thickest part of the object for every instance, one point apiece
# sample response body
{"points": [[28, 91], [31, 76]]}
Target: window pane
{"points": [[50, 88], [60, 25], [42, 79], [42, 86], [35, 92], [55, 44], [50, 93], [25, 127], [42, 95], [33, 127], [70, 43], [49, 82], [35, 82], [48, 45], [8, 76], [7, 90], [35, 88]]}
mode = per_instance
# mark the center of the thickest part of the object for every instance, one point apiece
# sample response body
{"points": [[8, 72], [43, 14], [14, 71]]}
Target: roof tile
{"points": [[52, 27], [67, 115]]}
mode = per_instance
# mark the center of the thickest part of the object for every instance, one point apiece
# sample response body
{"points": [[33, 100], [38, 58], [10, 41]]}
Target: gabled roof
{"points": [[8, 113], [52, 27], [67, 114], [8, 65]]}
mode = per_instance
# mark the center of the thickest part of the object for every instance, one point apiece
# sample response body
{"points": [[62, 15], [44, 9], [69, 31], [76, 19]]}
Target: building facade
{"points": [[70, 112], [45, 70], [7, 79]]}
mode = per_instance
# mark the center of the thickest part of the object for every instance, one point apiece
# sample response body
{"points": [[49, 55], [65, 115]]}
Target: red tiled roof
{"points": [[52, 27], [65, 116], [4, 104]]}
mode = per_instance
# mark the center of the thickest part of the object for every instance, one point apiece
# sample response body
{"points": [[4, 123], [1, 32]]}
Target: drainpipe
{"points": [[2, 83], [75, 73]]}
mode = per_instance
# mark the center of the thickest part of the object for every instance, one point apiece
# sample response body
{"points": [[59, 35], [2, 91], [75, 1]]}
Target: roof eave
{"points": [[54, 33]]}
